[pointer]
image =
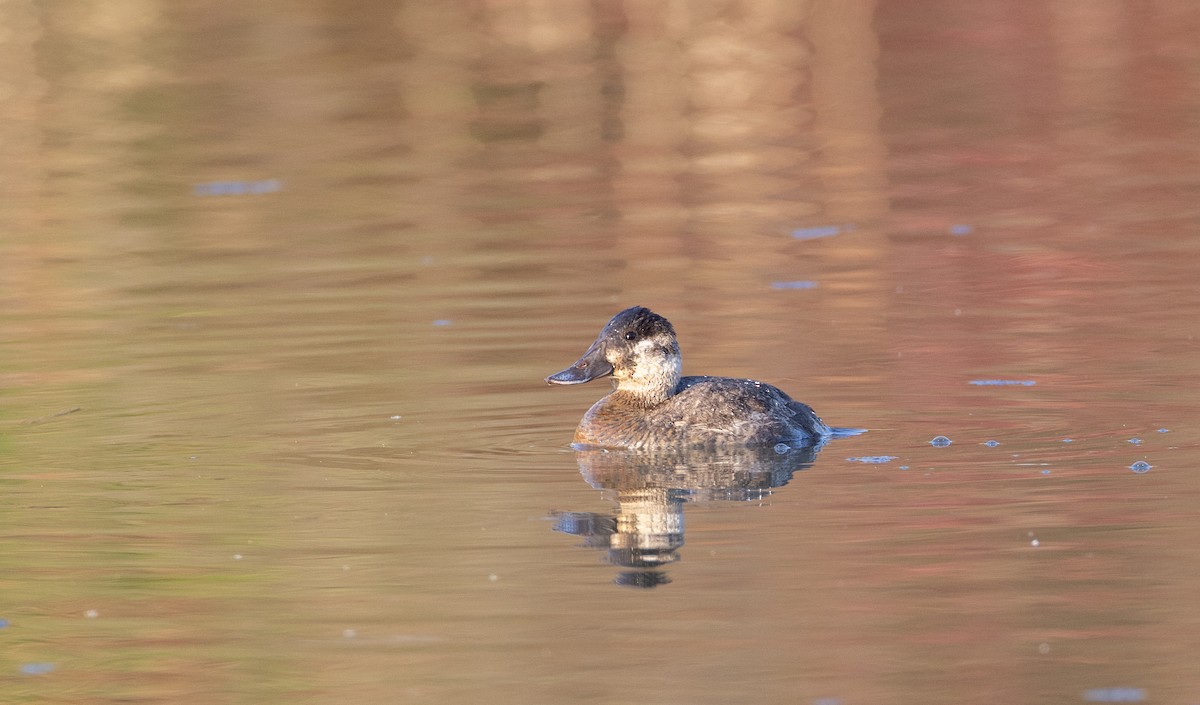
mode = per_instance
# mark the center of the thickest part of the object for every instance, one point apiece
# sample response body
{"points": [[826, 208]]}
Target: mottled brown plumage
{"points": [[654, 407]]}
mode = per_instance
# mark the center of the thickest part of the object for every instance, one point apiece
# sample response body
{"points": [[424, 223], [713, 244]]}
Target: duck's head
{"points": [[639, 349]]}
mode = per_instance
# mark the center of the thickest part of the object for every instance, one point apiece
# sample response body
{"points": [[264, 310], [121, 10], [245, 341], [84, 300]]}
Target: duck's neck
{"points": [[653, 386]]}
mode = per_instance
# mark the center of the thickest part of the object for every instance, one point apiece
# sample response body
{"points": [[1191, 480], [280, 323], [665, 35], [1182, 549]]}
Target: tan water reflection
{"points": [[650, 489], [301, 270]]}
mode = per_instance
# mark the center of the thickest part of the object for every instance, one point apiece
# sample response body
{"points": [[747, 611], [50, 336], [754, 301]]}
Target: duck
{"points": [[654, 407]]}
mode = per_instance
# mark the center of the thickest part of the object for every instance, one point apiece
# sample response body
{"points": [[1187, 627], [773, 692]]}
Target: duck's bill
{"points": [[589, 367]]}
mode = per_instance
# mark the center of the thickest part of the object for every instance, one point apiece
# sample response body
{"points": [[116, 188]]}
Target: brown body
{"points": [[703, 412], [654, 407]]}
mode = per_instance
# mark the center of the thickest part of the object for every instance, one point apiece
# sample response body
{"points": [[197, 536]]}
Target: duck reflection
{"points": [[645, 532]]}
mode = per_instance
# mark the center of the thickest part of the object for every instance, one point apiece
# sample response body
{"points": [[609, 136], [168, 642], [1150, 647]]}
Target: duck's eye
{"points": [[630, 335]]}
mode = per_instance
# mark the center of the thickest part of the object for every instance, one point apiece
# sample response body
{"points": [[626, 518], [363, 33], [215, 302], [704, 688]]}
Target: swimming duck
{"points": [[653, 406]]}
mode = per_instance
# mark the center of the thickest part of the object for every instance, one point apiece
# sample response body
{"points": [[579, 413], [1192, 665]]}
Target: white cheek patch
{"points": [[647, 348], [655, 368], [643, 346]]}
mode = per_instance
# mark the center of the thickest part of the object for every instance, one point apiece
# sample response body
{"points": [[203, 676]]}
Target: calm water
{"points": [[279, 284]]}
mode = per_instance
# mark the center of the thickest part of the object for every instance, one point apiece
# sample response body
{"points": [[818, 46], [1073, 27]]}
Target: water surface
{"points": [[280, 287]]}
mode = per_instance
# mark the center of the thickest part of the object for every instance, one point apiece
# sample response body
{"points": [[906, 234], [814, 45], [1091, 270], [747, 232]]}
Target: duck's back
{"points": [[763, 413], [703, 411]]}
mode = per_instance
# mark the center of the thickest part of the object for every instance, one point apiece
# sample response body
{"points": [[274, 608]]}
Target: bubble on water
{"points": [[1114, 695], [940, 441], [781, 448], [820, 231], [36, 669], [1043, 648], [961, 229], [1068, 440], [1045, 472], [1141, 466], [237, 188], [796, 284], [1135, 441], [873, 459], [991, 444], [1164, 430], [91, 614], [442, 322], [349, 633], [1003, 382]]}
